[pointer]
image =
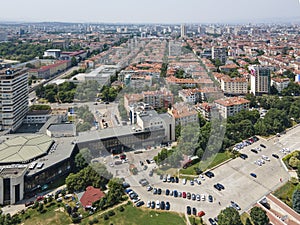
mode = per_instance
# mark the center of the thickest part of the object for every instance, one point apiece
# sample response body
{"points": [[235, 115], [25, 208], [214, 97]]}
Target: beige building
{"points": [[230, 106], [280, 83], [183, 114], [234, 85]]}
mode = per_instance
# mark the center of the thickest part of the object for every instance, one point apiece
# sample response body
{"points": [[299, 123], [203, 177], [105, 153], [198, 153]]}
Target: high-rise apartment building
{"points": [[220, 53], [13, 98], [183, 30], [260, 80]]}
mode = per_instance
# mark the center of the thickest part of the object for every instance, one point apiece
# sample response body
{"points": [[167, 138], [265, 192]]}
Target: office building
{"points": [[260, 80], [13, 98]]}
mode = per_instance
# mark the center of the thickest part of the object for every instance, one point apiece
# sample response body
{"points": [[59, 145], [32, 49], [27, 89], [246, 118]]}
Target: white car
{"points": [[183, 181], [157, 204], [136, 200], [203, 197], [149, 204], [264, 157], [198, 198], [202, 177]]}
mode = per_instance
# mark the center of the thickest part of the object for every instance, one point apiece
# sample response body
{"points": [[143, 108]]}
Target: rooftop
{"points": [[20, 149], [232, 101]]}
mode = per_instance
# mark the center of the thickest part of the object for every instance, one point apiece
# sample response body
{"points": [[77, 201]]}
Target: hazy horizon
{"points": [[134, 11]]}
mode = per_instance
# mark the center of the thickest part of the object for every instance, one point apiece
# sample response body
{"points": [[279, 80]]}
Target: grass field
{"points": [[51, 216], [136, 216], [285, 193], [207, 164], [55, 215]]}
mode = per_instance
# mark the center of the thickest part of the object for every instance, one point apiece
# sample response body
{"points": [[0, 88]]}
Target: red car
{"points": [[123, 156], [183, 194], [39, 198]]}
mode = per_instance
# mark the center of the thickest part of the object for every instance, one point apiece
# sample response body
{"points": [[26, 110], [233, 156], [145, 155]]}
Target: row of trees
{"points": [[230, 216], [86, 118]]}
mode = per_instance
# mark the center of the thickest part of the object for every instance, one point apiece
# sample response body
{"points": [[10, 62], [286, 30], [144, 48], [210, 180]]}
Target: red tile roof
{"points": [[90, 196]]}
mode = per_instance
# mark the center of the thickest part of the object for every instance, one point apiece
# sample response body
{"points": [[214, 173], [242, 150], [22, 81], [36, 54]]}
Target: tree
{"points": [[83, 158], [74, 61], [259, 216], [248, 222], [115, 192], [229, 216], [296, 200]]}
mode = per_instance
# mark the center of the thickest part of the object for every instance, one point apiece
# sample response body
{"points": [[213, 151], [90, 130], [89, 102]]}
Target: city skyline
{"points": [[133, 11]]}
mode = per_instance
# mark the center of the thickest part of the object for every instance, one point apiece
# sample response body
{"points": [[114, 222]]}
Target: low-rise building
{"points": [[230, 106], [280, 83], [183, 114], [234, 86]]}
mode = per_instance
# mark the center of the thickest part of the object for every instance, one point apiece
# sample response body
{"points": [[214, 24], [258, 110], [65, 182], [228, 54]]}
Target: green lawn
{"points": [[285, 193], [207, 164], [136, 216]]}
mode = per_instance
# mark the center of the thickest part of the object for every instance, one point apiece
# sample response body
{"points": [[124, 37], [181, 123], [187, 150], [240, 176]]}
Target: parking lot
{"points": [[240, 186]]}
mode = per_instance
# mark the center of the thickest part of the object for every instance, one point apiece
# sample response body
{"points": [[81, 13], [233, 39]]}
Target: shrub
{"points": [[121, 208], [111, 213], [105, 217], [95, 220]]}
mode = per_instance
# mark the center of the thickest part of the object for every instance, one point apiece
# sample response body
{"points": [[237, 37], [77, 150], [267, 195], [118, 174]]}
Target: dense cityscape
{"points": [[149, 123]]}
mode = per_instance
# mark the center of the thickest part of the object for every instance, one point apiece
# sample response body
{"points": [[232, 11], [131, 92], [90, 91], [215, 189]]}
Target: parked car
{"points": [[194, 211], [212, 222], [159, 191], [188, 210], [152, 205], [183, 181], [157, 204], [154, 191], [167, 191], [29, 203], [149, 188], [235, 205], [202, 177], [209, 174], [262, 145], [175, 193], [148, 204], [193, 197], [198, 197], [253, 175], [243, 156], [138, 204], [188, 195], [210, 198], [254, 150], [162, 205], [192, 182], [176, 179], [201, 213], [275, 156], [183, 194], [167, 206]]}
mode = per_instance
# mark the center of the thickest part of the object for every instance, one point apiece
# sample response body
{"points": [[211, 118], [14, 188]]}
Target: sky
{"points": [[151, 11]]}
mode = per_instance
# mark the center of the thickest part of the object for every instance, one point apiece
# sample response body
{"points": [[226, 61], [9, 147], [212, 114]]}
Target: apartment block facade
{"points": [[13, 98]]}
